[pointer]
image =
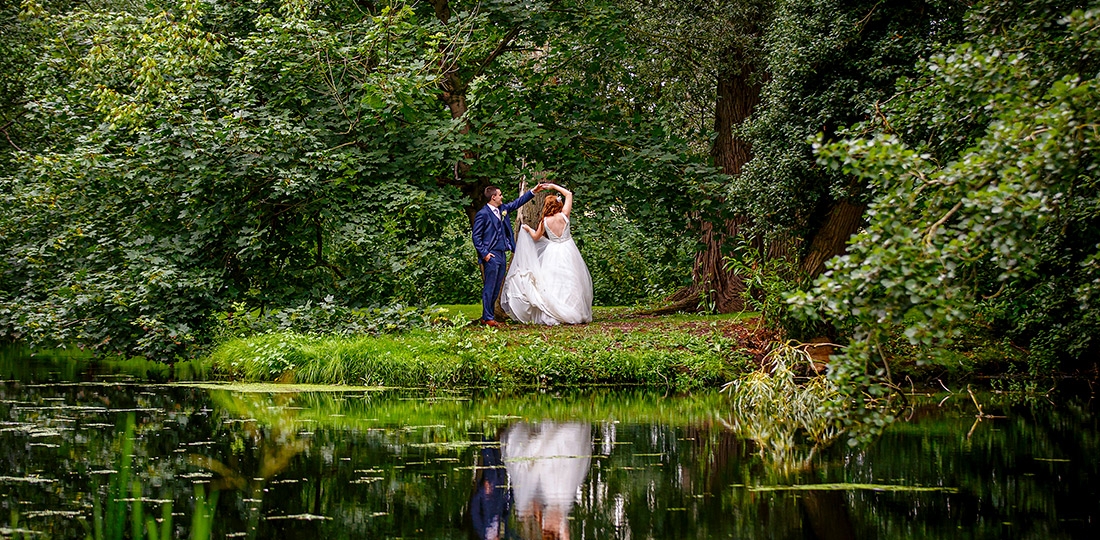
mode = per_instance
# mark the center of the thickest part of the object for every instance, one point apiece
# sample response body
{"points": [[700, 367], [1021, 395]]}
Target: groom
{"points": [[492, 240]]}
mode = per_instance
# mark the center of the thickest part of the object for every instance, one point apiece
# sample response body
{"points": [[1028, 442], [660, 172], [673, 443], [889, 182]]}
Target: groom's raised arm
{"points": [[522, 200]]}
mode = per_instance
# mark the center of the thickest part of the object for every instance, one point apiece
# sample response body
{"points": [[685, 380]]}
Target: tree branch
{"points": [[866, 18], [501, 47], [7, 135], [936, 225]]}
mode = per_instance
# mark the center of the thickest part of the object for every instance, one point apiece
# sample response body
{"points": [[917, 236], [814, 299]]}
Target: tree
{"points": [[711, 50], [983, 169], [504, 24], [830, 62], [212, 154], [779, 72]]}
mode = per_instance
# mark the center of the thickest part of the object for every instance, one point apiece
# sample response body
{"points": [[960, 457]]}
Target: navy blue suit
{"points": [[492, 499], [492, 235]]}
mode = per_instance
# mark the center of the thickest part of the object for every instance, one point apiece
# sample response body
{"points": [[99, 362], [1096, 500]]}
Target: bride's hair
{"points": [[551, 206]]}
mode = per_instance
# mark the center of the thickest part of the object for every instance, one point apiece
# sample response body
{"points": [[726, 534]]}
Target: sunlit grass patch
{"points": [[621, 352], [466, 311]]}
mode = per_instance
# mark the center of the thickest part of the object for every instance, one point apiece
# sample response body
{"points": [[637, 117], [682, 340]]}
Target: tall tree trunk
{"points": [[831, 239], [453, 95], [712, 283]]}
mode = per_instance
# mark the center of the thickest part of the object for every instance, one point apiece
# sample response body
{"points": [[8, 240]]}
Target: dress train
{"points": [[548, 282]]}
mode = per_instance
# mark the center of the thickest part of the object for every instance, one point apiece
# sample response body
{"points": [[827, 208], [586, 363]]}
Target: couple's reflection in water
{"points": [[535, 472]]}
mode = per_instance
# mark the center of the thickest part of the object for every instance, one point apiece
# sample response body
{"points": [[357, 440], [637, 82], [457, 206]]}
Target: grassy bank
{"points": [[681, 352]]}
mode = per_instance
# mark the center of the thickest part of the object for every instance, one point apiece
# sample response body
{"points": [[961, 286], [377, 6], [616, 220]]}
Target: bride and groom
{"points": [[548, 282]]}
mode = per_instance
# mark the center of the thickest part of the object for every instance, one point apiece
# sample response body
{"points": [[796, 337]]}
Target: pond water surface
{"points": [[90, 454]]}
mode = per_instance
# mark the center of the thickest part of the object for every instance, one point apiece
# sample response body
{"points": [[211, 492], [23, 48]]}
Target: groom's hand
{"points": [[488, 256]]}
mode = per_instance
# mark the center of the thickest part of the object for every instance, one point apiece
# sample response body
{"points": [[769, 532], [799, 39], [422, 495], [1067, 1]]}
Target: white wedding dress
{"points": [[548, 282], [547, 463]]}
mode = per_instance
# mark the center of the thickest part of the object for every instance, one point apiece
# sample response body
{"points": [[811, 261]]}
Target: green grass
{"points": [[680, 352], [467, 311], [473, 311]]}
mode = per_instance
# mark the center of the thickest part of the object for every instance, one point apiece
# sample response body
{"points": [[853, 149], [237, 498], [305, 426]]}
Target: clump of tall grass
{"points": [[387, 360], [785, 416]]}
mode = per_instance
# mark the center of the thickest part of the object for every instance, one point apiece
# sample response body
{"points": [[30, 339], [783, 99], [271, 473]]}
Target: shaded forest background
{"points": [[865, 171]]}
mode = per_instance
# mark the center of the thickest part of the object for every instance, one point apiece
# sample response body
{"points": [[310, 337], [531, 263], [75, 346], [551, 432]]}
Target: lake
{"points": [[89, 452]]}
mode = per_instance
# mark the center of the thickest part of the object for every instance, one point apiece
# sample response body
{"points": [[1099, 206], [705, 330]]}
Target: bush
{"points": [[327, 318], [628, 262]]}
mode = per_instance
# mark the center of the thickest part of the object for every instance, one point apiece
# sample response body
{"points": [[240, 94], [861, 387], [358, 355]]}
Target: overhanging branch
{"points": [[501, 47]]}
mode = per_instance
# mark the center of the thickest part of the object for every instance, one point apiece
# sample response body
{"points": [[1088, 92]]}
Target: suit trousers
{"points": [[493, 272]]}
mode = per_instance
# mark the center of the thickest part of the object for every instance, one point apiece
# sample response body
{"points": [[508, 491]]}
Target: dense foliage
{"points": [[178, 171], [829, 62], [205, 156], [984, 173]]}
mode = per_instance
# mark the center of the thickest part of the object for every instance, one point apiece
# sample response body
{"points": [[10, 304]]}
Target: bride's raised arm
{"points": [[567, 206]]}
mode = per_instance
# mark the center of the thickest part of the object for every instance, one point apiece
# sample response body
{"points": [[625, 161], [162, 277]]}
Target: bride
{"points": [[548, 282]]}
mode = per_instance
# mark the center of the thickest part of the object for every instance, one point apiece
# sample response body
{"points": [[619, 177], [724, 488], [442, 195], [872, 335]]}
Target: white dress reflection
{"points": [[546, 463]]}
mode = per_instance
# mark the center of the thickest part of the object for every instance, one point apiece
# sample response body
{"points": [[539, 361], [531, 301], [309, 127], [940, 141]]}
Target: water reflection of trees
{"points": [[403, 465], [785, 420], [103, 452], [270, 432]]}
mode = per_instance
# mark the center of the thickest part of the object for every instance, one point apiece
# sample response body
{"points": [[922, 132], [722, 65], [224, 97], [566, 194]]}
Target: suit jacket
{"points": [[492, 234]]}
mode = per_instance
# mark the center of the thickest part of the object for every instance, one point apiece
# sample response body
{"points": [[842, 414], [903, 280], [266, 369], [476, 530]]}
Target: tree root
{"points": [[686, 305]]}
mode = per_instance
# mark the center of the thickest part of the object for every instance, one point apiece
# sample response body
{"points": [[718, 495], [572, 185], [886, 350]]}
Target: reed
{"points": [[783, 413], [118, 482], [110, 515], [202, 517]]}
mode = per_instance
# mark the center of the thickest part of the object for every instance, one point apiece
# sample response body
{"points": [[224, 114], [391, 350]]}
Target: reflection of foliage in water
{"points": [[275, 443], [1028, 471], [373, 409], [387, 464], [96, 450]]}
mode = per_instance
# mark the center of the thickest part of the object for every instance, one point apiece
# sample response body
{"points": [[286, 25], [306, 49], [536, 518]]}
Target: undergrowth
{"points": [[327, 317]]}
